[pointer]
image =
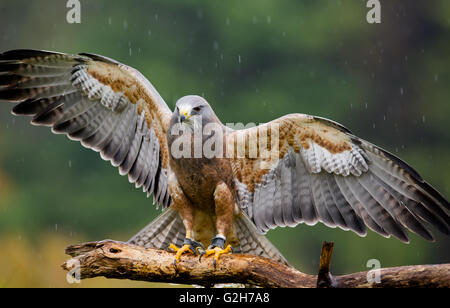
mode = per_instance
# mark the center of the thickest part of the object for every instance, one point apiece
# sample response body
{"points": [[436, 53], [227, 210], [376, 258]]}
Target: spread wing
{"points": [[107, 106], [316, 170]]}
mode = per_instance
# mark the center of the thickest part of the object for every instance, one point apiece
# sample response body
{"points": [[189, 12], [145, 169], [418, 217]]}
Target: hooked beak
{"points": [[184, 116]]}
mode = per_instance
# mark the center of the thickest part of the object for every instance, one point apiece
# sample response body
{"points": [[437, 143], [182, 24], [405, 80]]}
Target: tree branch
{"points": [[113, 259], [324, 277]]}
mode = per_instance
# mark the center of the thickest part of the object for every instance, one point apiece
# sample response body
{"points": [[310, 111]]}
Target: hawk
{"points": [[295, 169]]}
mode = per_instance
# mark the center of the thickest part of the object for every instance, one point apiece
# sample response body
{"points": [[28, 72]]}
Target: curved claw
{"points": [[196, 247], [217, 251], [179, 252], [201, 255], [188, 246]]}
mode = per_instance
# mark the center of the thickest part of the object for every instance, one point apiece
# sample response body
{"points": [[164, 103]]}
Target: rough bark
{"points": [[113, 259]]}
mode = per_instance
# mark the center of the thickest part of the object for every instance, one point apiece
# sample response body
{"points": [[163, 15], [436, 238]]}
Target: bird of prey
{"points": [[305, 169]]}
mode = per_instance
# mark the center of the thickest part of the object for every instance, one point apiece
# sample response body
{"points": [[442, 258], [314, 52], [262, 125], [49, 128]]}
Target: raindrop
{"points": [[130, 52], [367, 106], [254, 20], [239, 58], [56, 227], [436, 77], [423, 119], [110, 21], [215, 45], [384, 117], [227, 21], [125, 24], [70, 164], [269, 19], [149, 32], [401, 91]]}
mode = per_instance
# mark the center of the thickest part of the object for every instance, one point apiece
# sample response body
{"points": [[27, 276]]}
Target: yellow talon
{"points": [[217, 251], [180, 251]]}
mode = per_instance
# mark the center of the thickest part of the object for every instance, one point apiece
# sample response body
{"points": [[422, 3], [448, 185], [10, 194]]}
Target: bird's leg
{"points": [[224, 205], [186, 211]]}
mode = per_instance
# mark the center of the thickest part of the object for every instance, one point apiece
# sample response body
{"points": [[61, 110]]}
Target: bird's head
{"points": [[193, 111]]}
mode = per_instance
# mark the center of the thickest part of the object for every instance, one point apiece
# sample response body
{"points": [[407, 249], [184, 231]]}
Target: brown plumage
{"points": [[295, 169]]}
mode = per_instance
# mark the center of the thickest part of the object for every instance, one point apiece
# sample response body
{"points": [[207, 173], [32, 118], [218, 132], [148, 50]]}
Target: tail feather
{"points": [[251, 241], [165, 229]]}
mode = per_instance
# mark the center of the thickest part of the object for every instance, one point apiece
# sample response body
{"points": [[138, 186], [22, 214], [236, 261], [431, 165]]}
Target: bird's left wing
{"points": [[107, 106], [301, 168]]}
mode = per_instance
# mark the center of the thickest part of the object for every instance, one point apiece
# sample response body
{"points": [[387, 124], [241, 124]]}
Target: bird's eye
{"points": [[197, 109]]}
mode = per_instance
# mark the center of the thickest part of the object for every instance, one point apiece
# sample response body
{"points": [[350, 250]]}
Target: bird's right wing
{"points": [[316, 170], [107, 106]]}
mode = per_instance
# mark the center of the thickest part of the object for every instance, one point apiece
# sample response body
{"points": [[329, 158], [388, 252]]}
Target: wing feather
{"points": [[306, 206], [319, 171], [359, 208], [352, 220], [107, 106], [330, 204], [287, 193], [376, 210], [320, 202]]}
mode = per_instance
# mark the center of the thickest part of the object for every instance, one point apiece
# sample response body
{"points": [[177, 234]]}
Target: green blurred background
{"points": [[254, 61]]}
